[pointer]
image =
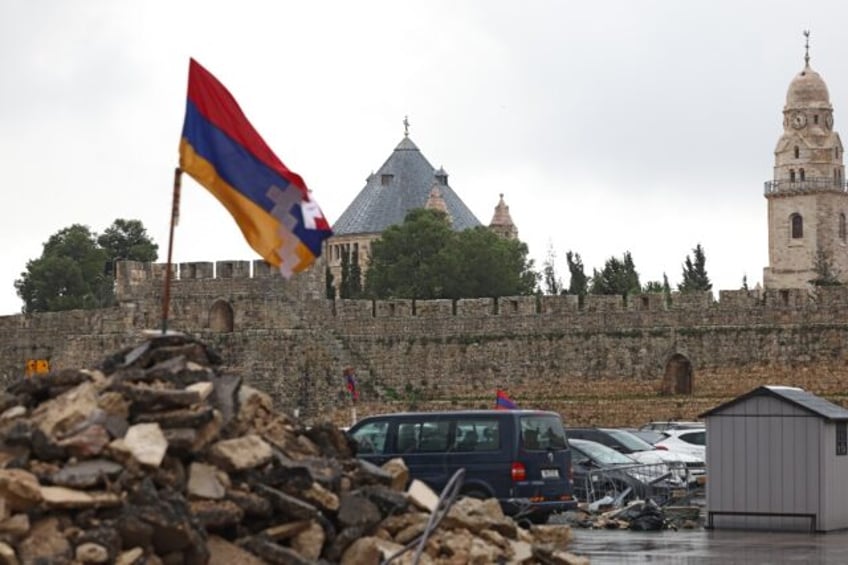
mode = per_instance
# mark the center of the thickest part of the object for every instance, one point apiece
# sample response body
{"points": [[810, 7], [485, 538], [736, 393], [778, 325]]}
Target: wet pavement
{"points": [[709, 546]]}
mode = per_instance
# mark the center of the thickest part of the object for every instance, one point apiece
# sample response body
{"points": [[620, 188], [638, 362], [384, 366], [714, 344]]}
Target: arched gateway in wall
{"points": [[678, 375]]}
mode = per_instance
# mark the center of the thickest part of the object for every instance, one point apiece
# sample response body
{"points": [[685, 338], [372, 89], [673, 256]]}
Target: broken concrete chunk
{"points": [[397, 469], [310, 541], [64, 498], [19, 489], [222, 552], [146, 443], [241, 453], [86, 474], [422, 496], [203, 482]]}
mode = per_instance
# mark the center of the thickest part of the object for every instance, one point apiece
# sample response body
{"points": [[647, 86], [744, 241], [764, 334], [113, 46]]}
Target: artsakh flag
{"points": [[504, 402], [271, 204], [350, 382]]}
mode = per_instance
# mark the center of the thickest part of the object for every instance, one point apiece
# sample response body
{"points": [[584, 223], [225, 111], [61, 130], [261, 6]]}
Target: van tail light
{"points": [[662, 447], [518, 472], [570, 472]]}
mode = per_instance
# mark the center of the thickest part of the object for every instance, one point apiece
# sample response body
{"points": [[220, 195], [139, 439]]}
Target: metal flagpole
{"points": [[175, 217]]}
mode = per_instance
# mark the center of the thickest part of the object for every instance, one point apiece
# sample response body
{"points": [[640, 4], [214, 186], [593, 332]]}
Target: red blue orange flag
{"points": [[350, 383], [504, 402], [272, 206]]}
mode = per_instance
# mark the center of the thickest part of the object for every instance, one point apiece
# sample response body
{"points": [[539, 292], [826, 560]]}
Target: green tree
{"points": [[128, 240], [482, 263], [355, 279], [550, 279], [617, 277], [695, 272], [579, 282], [424, 258], [826, 273], [344, 285], [409, 259], [329, 288], [76, 270]]}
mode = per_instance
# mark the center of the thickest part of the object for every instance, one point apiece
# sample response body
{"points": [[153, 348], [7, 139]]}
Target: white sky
{"points": [[609, 126]]}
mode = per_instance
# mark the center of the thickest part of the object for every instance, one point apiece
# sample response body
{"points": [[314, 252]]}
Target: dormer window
{"points": [[385, 180]]}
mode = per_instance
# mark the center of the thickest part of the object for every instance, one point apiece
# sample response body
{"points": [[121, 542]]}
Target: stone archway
{"points": [[221, 317], [678, 375]]}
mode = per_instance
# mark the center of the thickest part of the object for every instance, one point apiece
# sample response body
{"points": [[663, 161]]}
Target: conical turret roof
{"points": [[403, 183]]}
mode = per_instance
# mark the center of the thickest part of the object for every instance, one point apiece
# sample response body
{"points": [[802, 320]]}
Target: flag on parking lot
{"points": [[271, 204], [350, 383], [503, 401]]}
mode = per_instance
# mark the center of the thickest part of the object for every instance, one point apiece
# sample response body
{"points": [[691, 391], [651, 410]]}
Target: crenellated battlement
{"points": [[223, 279], [286, 337]]}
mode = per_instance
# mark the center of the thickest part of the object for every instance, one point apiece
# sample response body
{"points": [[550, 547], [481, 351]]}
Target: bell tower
{"points": [[807, 198]]}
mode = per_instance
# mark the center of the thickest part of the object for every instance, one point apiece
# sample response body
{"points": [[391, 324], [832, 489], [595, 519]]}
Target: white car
{"points": [[689, 441]]}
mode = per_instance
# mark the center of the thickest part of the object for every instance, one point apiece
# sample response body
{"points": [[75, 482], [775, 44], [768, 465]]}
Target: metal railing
{"points": [[809, 184], [664, 483]]}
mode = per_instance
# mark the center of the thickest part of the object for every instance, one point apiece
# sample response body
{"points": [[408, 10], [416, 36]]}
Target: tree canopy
{"points": [[579, 282], [695, 272], [618, 276], [76, 267], [423, 258]]}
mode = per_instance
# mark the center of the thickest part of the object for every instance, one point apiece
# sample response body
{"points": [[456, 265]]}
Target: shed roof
{"points": [[793, 395]]}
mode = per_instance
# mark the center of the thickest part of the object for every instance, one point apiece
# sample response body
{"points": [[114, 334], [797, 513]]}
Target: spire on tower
{"points": [[807, 48]]}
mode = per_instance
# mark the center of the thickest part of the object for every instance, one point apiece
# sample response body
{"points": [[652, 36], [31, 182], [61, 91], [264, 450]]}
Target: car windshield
{"points": [[630, 441], [600, 454]]}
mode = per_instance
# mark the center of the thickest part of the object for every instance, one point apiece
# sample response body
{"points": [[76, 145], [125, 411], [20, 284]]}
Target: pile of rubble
{"points": [[638, 515], [156, 456]]}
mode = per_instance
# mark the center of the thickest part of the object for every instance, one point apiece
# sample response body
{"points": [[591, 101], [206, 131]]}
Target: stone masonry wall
{"points": [[602, 363]]}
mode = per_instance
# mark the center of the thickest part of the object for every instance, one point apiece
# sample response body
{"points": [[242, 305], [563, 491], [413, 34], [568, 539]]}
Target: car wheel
{"points": [[476, 493]]}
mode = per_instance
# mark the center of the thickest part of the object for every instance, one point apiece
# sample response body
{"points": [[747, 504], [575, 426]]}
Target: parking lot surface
{"points": [[709, 546]]}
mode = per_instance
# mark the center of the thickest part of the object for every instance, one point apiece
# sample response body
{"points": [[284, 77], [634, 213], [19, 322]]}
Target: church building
{"points": [[807, 198], [406, 181]]}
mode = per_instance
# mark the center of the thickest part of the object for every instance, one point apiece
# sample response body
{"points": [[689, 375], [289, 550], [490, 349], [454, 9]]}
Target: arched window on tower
{"points": [[842, 228], [797, 226], [797, 152], [791, 175], [801, 174]]}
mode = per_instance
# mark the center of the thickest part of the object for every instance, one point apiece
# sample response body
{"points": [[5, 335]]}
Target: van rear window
{"points": [[542, 432]]}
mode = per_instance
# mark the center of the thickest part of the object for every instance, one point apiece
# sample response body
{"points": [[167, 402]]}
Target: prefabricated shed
{"points": [[777, 459]]}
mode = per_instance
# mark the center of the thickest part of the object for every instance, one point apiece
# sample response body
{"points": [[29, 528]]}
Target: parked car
{"points": [[600, 471], [686, 468], [661, 426], [520, 457], [689, 441]]}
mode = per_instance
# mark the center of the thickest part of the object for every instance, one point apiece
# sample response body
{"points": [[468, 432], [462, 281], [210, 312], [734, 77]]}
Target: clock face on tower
{"points": [[799, 120]]}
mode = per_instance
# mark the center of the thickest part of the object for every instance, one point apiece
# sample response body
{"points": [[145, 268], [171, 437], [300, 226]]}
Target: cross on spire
{"points": [[406, 126], [807, 47]]}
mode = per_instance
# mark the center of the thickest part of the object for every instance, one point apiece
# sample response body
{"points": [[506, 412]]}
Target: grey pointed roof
{"points": [[402, 184], [799, 397]]}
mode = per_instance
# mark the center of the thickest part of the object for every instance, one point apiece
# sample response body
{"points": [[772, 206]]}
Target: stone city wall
{"points": [[606, 361]]}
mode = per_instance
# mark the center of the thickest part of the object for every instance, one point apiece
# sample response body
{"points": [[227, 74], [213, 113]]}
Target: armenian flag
{"points": [[350, 383], [272, 206], [503, 401]]}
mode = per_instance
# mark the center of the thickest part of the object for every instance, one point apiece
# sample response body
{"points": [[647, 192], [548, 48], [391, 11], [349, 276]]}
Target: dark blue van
{"points": [[520, 457]]}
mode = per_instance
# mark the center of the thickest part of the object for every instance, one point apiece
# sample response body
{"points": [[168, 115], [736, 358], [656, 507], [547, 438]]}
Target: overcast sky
{"points": [[635, 126]]}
